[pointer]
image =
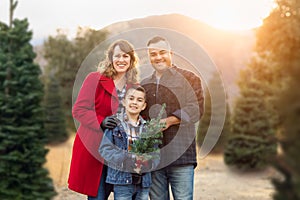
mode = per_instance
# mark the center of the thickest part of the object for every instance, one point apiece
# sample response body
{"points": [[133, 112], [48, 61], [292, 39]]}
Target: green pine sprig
{"points": [[150, 138]]}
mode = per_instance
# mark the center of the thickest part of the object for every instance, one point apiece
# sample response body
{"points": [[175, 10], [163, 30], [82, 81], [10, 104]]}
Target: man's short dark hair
{"points": [[157, 39]]}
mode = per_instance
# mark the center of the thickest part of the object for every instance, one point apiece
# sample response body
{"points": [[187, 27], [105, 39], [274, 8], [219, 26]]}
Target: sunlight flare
{"points": [[237, 14]]}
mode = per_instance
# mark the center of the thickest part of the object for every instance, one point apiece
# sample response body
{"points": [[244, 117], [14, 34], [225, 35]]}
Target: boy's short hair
{"points": [[138, 88]]}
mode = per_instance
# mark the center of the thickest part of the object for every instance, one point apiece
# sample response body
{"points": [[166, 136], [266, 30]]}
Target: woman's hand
{"points": [[109, 122]]}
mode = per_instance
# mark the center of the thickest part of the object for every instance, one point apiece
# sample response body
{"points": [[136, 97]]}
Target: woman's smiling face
{"points": [[121, 60]]}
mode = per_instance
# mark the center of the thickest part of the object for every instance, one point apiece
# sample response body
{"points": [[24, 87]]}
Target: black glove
{"points": [[109, 122]]}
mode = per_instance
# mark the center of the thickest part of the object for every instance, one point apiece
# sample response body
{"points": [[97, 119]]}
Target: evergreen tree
{"points": [[254, 121], [22, 137], [65, 56], [205, 121], [279, 41], [288, 162], [55, 127]]}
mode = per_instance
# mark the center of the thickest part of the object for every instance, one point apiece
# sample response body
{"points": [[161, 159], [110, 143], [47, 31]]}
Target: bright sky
{"points": [[45, 16]]}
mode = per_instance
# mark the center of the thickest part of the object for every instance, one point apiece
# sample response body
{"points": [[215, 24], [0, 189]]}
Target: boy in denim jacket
{"points": [[130, 180]]}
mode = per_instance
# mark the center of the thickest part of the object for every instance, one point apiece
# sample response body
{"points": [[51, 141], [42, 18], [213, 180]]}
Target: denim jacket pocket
{"points": [[120, 140]]}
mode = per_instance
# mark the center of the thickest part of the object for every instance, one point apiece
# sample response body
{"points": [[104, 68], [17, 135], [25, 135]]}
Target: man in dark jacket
{"points": [[182, 92]]}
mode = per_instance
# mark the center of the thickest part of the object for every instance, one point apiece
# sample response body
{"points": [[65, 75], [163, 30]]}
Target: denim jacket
{"points": [[114, 149]]}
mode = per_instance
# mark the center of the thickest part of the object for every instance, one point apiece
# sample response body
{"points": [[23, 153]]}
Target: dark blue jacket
{"points": [[182, 92]]}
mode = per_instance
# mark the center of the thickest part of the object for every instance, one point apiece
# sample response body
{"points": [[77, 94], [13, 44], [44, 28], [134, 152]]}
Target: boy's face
{"points": [[134, 101]]}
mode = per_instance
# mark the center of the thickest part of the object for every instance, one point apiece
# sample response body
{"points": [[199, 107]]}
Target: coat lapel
{"points": [[108, 85]]}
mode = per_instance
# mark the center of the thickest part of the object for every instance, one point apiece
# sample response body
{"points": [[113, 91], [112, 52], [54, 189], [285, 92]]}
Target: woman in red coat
{"points": [[97, 100]]}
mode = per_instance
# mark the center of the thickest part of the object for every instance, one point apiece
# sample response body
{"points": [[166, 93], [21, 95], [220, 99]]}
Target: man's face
{"points": [[160, 56]]}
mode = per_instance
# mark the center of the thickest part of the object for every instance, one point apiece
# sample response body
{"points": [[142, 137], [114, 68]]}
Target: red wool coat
{"points": [[96, 100]]}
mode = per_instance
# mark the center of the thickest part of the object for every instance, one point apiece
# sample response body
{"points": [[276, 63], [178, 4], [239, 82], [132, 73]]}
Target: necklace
{"points": [[120, 82]]}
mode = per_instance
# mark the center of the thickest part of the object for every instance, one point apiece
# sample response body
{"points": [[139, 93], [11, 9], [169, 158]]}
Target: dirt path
{"points": [[213, 179]]}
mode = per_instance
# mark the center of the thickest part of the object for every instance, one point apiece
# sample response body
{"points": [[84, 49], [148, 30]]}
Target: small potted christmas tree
{"points": [[146, 147]]}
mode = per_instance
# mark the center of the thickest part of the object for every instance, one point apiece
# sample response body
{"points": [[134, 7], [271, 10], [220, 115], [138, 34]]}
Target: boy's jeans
{"points": [[125, 192], [104, 189], [181, 179]]}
